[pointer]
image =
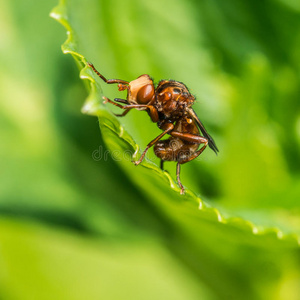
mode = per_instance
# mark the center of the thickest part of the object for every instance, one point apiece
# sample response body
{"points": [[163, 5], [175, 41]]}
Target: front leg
{"points": [[152, 111], [127, 107], [125, 112], [122, 83], [114, 103]]}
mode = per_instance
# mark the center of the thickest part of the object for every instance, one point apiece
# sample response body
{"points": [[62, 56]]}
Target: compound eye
{"points": [[145, 94]]}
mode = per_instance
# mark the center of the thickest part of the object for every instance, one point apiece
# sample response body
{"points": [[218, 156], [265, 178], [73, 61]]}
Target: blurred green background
{"points": [[72, 227]]}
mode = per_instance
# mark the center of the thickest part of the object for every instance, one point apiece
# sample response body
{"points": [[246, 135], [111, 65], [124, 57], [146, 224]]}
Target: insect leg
{"points": [[162, 164], [118, 105], [114, 103], [109, 81], [153, 113], [193, 138], [194, 155], [197, 139], [119, 100], [126, 107], [178, 178], [124, 113], [169, 127], [136, 106], [152, 110]]}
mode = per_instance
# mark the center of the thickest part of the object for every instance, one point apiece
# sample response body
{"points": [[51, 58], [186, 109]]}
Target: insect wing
{"points": [[211, 143]]}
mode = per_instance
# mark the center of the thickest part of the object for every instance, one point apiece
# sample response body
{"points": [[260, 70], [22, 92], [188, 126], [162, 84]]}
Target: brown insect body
{"points": [[175, 148], [170, 106], [172, 99]]}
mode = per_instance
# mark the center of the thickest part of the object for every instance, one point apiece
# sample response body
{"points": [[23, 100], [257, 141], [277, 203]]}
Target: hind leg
{"points": [[168, 150], [194, 155], [178, 179]]}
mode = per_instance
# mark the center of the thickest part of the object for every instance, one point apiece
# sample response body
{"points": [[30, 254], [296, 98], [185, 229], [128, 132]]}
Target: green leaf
{"points": [[195, 230], [148, 177]]}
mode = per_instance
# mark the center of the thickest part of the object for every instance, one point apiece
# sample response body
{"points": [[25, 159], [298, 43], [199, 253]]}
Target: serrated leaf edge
{"points": [[94, 107]]}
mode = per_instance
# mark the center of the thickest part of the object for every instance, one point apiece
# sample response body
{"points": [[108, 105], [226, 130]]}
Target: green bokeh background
{"points": [[72, 227]]}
